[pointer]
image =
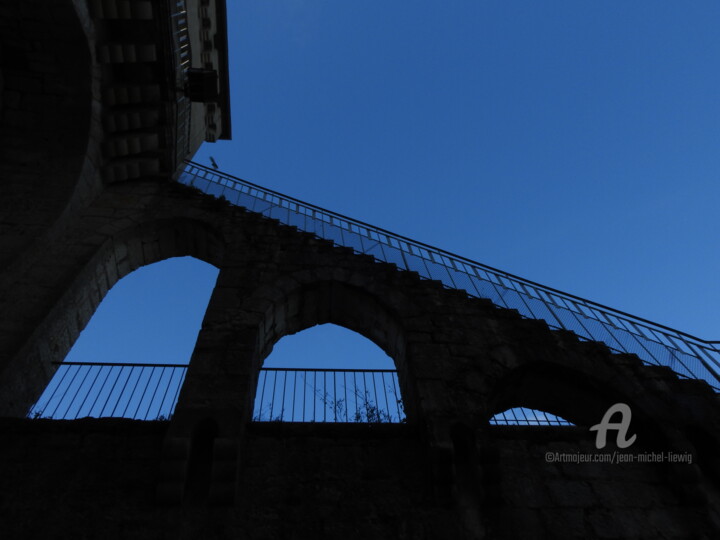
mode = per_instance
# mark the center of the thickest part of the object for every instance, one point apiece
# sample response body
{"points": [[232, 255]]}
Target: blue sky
{"points": [[572, 143]]}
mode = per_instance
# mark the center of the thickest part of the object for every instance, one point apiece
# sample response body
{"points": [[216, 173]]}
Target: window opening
{"points": [[130, 360], [522, 416], [328, 374]]}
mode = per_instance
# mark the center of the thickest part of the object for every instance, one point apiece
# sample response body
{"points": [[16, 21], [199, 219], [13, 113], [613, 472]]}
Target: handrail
{"points": [[116, 364], [688, 355], [335, 370]]}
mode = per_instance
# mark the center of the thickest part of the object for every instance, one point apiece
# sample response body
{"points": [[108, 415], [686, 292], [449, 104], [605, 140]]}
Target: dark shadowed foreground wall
{"points": [[97, 478]]}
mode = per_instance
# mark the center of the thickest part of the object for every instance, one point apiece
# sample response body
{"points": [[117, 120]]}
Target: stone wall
{"points": [[78, 479], [534, 494], [48, 119], [97, 478], [460, 360]]}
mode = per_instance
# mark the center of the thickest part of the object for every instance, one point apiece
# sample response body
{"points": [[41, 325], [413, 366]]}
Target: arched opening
{"points": [[543, 394], [131, 358], [328, 373], [524, 416]]}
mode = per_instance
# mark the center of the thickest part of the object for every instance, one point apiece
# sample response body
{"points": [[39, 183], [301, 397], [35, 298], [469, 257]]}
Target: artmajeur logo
{"points": [[621, 427]]}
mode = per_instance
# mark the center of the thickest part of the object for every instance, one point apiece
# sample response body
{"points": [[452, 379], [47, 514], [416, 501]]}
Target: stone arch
{"points": [[301, 300], [333, 302], [549, 388], [130, 249], [580, 396]]}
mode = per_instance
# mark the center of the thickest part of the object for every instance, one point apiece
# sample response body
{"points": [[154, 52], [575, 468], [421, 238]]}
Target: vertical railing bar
{"points": [[292, 418], [500, 295], [304, 392], [650, 354], [272, 400], [355, 393], [714, 372], [342, 236], [173, 403], [334, 400], [282, 406], [529, 290], [324, 396], [142, 397], [550, 305], [87, 372], [152, 399], [447, 269], [395, 394], [402, 255], [112, 414], [47, 402], [314, 396], [387, 404], [576, 315], [132, 393], [639, 330], [677, 354], [363, 236], [52, 415], [67, 410], [262, 394], [365, 394], [377, 402], [92, 385], [102, 410], [346, 400], [101, 388], [525, 303], [144, 415], [167, 387]]}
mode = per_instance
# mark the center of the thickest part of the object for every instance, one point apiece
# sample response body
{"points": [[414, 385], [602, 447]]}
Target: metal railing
{"points": [[687, 355], [139, 391], [522, 416], [323, 395]]}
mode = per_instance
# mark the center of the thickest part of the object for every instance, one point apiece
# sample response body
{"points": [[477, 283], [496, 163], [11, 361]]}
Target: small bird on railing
{"points": [[213, 163]]}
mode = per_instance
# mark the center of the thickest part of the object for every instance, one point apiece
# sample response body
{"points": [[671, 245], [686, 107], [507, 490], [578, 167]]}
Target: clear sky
{"points": [[574, 143]]}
